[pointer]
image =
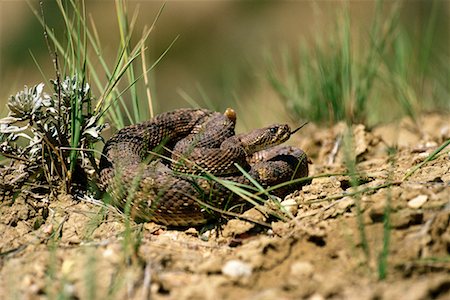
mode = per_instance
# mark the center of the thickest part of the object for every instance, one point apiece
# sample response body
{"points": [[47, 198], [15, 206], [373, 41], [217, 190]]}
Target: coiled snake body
{"points": [[194, 142]]}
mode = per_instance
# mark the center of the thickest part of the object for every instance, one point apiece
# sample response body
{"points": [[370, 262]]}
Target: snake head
{"points": [[263, 138], [278, 133]]}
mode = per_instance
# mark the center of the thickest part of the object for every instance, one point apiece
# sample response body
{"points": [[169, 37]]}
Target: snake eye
{"points": [[273, 130]]}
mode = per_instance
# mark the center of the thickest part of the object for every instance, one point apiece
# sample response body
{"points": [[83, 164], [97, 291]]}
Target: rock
{"points": [[420, 157], [192, 232], [290, 205], [237, 268], [302, 269], [68, 266], [418, 201], [316, 296]]}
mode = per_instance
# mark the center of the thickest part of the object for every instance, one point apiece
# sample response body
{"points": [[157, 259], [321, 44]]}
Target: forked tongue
{"points": [[297, 129]]}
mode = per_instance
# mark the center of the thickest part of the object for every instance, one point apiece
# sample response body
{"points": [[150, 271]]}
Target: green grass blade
{"points": [[429, 158]]}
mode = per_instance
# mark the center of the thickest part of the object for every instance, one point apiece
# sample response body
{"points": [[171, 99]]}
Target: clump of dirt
{"points": [[339, 243]]}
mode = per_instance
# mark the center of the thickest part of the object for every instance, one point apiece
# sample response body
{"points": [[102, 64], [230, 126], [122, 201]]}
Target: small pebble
{"points": [[109, 252], [48, 229], [290, 205], [316, 297], [69, 290], [191, 231], [445, 132], [204, 236], [420, 157], [302, 269], [236, 268], [418, 201], [68, 267]]}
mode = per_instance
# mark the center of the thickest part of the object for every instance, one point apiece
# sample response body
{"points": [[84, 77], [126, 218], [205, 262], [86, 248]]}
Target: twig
{"points": [[147, 282], [335, 150]]}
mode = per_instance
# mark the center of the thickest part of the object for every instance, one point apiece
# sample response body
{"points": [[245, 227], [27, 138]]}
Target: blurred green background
{"points": [[221, 51]]}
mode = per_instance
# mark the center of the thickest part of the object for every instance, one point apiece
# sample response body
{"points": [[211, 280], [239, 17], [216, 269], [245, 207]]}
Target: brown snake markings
{"points": [[199, 142]]}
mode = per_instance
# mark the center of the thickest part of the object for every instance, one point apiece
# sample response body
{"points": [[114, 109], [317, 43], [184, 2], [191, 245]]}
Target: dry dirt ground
{"points": [[319, 254]]}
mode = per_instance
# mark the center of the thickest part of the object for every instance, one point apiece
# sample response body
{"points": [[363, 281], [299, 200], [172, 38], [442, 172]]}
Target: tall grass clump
{"points": [[52, 127], [82, 52], [363, 76]]}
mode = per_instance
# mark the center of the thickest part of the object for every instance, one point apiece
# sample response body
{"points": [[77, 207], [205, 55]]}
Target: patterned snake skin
{"points": [[153, 168]]}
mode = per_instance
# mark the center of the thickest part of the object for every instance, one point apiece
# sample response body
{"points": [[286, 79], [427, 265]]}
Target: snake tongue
{"points": [[297, 129]]}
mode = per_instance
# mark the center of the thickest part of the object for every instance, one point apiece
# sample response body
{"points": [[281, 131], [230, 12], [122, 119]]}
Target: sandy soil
{"points": [[319, 254]]}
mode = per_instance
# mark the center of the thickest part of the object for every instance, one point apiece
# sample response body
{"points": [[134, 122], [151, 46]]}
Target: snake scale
{"points": [[168, 169]]}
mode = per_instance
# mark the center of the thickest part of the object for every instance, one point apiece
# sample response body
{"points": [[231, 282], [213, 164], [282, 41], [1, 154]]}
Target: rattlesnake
{"points": [[201, 149]]}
